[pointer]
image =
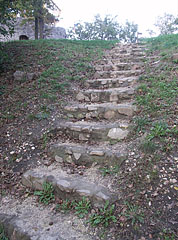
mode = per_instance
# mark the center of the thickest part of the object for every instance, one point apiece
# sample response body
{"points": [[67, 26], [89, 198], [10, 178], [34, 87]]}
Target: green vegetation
{"points": [[109, 170], [58, 65], [134, 214], [2, 233], [104, 29], [47, 194], [82, 207], [104, 216]]}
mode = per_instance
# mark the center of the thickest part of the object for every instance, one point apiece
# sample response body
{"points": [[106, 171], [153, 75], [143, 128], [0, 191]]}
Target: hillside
{"points": [[71, 95]]}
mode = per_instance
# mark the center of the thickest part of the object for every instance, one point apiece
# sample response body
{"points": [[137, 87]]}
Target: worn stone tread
{"points": [[107, 111], [106, 95], [112, 82], [124, 66], [28, 221], [87, 155], [116, 74], [94, 131], [67, 186]]}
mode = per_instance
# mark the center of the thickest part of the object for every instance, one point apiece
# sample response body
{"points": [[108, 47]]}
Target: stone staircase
{"points": [[100, 114]]}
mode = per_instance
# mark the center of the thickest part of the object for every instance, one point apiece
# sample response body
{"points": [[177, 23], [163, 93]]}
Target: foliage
{"points": [[128, 32], [66, 206], [104, 29], [133, 213], [2, 234], [47, 194], [109, 170], [166, 24], [30, 9], [104, 216], [8, 10], [82, 207]]}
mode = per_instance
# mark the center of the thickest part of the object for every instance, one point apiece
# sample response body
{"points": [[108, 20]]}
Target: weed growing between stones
{"points": [[133, 213], [109, 170], [47, 194], [104, 216], [2, 233], [82, 207]]}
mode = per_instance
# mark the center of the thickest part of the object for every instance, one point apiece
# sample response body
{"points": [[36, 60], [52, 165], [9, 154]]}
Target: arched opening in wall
{"points": [[23, 37]]}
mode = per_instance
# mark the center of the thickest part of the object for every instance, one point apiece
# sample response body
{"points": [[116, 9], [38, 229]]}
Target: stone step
{"points": [[118, 67], [72, 187], [126, 55], [109, 111], [116, 74], [106, 95], [27, 220], [87, 155], [94, 131], [111, 82]]}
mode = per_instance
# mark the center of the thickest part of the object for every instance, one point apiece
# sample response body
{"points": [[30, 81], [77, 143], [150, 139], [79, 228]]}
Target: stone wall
{"points": [[22, 29]]}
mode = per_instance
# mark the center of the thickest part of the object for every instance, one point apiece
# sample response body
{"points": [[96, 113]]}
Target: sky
{"points": [[141, 12]]}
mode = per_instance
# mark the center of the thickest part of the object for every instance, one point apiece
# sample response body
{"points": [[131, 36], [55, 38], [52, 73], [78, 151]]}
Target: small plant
{"points": [[148, 146], [109, 171], [167, 235], [133, 213], [104, 216], [159, 129], [140, 123], [2, 233], [82, 207], [66, 206], [47, 194]]}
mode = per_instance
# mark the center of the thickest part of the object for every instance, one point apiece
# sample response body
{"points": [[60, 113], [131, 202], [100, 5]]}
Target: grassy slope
{"points": [[149, 206], [60, 64]]}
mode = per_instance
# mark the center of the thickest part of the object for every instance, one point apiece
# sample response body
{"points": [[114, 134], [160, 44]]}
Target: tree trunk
{"points": [[41, 27], [36, 27]]}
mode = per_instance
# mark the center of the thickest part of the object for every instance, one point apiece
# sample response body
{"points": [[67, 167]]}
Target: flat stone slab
{"points": [[91, 131], [124, 66], [116, 74], [87, 155], [67, 187], [112, 82], [109, 111], [106, 95], [28, 220]]}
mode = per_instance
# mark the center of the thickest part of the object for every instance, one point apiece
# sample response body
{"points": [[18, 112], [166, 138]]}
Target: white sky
{"points": [[141, 12]]}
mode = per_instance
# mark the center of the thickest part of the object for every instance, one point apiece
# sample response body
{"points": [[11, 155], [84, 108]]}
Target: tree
{"points": [[106, 29], [38, 10], [8, 10], [129, 32], [167, 24]]}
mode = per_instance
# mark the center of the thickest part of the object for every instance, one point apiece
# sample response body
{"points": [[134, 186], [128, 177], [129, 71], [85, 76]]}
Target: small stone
{"points": [[128, 111], [117, 133], [58, 159], [80, 96], [95, 97], [97, 153], [92, 108], [30, 76], [19, 76], [77, 155], [82, 137], [113, 97], [109, 114]]}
